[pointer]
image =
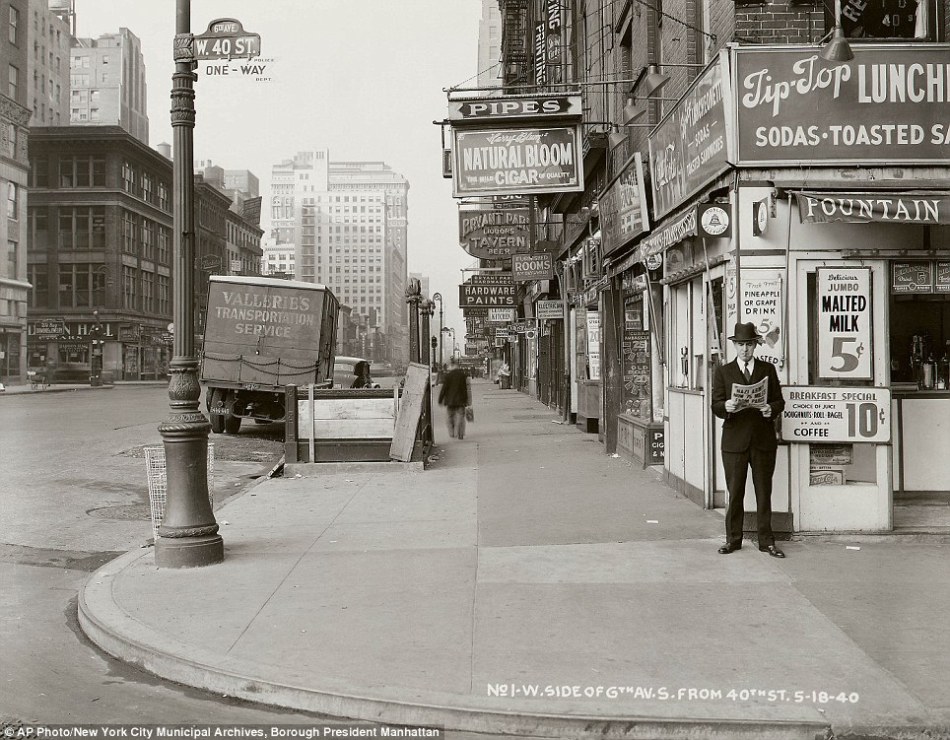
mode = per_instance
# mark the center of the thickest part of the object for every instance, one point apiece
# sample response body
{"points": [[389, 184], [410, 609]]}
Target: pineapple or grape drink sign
{"points": [[762, 301]]}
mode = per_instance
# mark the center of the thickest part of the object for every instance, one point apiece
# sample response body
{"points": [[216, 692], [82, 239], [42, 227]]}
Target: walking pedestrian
{"points": [[456, 395], [748, 437]]}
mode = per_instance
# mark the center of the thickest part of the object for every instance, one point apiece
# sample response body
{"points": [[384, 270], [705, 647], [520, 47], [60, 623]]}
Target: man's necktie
{"points": [[748, 375]]}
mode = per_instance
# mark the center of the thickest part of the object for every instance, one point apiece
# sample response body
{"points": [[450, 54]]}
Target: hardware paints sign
{"points": [[890, 104]]}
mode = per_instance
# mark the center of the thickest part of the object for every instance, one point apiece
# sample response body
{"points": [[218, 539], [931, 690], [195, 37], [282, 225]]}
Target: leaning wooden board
{"points": [[410, 409]]}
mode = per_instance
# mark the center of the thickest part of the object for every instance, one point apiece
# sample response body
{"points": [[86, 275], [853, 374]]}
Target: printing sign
{"points": [[890, 104], [836, 414], [539, 159], [845, 339]]}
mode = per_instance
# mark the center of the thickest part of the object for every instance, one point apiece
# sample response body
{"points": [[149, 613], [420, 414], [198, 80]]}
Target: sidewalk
{"points": [[527, 584], [16, 390]]}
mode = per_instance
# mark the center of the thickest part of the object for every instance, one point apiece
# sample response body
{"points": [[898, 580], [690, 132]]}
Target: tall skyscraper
{"points": [[107, 80], [47, 82], [489, 45], [347, 224], [14, 171]]}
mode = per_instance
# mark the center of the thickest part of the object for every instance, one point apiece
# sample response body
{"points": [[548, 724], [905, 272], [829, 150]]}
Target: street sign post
{"points": [[226, 39]]}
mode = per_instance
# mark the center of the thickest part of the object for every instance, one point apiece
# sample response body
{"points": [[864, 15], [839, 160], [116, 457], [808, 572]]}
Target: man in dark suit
{"points": [[748, 438]]}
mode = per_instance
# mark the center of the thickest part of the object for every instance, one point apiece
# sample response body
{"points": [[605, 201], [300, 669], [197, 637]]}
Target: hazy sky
{"points": [[363, 78]]}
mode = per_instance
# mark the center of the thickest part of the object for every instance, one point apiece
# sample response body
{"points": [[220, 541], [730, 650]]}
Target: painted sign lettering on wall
{"points": [[763, 303], [844, 307], [543, 159], [692, 145], [916, 276], [889, 104], [494, 233]]}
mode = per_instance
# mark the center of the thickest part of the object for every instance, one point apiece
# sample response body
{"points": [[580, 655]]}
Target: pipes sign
{"points": [[845, 339]]}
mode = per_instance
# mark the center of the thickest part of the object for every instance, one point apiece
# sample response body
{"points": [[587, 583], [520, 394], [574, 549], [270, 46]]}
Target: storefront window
{"points": [[889, 19], [920, 324]]}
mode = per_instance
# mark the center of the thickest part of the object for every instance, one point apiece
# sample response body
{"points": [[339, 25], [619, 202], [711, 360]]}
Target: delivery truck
{"points": [[262, 334]]}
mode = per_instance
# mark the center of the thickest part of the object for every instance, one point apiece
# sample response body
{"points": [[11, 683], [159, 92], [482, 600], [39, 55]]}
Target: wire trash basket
{"points": [[158, 482]]}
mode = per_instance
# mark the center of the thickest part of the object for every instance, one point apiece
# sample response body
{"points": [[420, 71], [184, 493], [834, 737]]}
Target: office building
{"points": [[107, 81], [346, 223]]}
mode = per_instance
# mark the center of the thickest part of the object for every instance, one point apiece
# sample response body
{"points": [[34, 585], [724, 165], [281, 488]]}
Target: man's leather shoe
{"points": [[773, 551], [728, 548]]}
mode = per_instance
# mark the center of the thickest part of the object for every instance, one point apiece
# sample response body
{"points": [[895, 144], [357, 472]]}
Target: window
{"points": [[163, 196], [12, 200], [39, 296], [129, 292], [12, 260], [128, 178], [162, 304], [888, 19], [148, 291], [39, 171], [128, 233], [39, 228], [14, 25], [13, 78], [9, 139]]}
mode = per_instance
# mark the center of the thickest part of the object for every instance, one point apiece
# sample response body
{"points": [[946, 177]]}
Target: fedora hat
{"points": [[746, 333]]}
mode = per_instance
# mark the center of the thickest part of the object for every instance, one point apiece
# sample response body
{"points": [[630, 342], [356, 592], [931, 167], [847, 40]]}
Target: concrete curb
{"points": [[118, 634]]}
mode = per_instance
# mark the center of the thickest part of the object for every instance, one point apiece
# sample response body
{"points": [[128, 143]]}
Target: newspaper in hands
{"points": [[754, 395]]}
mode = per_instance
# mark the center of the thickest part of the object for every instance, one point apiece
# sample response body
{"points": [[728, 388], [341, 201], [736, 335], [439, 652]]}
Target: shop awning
{"points": [[910, 207]]}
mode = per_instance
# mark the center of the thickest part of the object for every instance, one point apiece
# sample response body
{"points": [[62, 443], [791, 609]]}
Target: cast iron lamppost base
{"points": [[188, 536], [413, 296]]}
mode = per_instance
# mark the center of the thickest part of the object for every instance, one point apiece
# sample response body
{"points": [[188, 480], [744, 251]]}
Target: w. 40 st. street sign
{"points": [[226, 39]]}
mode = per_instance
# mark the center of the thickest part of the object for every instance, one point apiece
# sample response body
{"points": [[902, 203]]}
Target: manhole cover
{"points": [[123, 512]]}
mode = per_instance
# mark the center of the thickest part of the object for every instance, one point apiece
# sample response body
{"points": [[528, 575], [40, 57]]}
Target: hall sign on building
{"points": [[516, 144], [487, 291], [494, 233], [890, 104]]}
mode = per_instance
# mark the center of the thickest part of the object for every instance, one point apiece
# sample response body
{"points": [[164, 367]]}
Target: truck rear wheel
{"points": [[232, 424], [217, 420]]}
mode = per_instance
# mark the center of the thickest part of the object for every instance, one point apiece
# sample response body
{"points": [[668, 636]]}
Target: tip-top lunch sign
{"points": [[890, 104], [494, 233]]}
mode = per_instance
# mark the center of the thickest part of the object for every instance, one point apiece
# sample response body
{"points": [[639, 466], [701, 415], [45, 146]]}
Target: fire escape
{"points": [[515, 41]]}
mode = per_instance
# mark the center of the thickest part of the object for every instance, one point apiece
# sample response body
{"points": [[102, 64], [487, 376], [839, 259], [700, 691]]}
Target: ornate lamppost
{"points": [[413, 296], [438, 297], [426, 310], [188, 535]]}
